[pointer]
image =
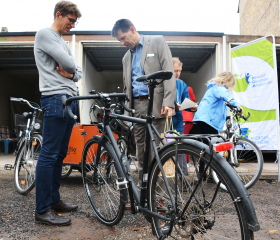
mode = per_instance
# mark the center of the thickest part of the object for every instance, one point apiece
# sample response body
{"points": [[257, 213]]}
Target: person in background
{"points": [[181, 93], [188, 120], [58, 73], [212, 111]]}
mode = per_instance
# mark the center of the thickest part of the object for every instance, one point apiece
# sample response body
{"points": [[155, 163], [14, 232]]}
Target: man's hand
{"points": [[64, 73], [179, 105], [194, 108], [167, 110]]}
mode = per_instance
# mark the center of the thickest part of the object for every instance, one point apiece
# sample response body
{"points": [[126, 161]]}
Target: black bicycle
{"points": [[28, 147], [176, 207], [123, 129]]}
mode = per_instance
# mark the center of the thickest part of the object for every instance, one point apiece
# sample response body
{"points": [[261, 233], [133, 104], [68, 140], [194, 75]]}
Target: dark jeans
{"points": [[205, 129], [56, 136]]}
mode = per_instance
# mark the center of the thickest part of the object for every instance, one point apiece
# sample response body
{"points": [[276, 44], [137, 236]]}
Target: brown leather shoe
{"points": [[64, 207], [52, 218]]}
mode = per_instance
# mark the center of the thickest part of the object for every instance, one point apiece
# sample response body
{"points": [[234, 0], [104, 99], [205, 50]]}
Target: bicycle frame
{"points": [[122, 169]]}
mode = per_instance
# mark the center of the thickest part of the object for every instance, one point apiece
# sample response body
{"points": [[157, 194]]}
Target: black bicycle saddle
{"points": [[164, 75]]}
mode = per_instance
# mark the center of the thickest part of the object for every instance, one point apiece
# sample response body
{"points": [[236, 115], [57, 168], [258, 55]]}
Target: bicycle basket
{"points": [[21, 121], [120, 127]]}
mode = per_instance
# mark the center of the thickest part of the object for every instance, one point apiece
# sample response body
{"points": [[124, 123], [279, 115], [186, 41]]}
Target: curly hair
{"points": [[123, 25], [224, 79], [66, 7]]}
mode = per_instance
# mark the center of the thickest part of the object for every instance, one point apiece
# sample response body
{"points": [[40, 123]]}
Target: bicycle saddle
{"points": [[164, 75]]}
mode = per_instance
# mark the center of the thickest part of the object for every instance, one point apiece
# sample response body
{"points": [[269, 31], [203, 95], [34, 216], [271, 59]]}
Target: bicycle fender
{"points": [[121, 176], [246, 202], [96, 137]]}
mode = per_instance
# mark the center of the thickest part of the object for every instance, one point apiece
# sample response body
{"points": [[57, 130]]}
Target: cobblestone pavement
{"points": [[17, 214]]}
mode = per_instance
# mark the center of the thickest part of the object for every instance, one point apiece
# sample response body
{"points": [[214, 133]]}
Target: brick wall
{"points": [[260, 17]]}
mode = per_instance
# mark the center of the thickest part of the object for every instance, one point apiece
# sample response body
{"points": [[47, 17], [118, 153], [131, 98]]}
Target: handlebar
{"points": [[68, 107], [100, 96], [27, 102], [246, 118], [237, 110]]}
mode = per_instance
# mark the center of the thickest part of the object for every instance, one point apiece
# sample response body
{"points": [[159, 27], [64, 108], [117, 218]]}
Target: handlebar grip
{"points": [[16, 99], [246, 118], [71, 115], [68, 107], [126, 108], [63, 100]]}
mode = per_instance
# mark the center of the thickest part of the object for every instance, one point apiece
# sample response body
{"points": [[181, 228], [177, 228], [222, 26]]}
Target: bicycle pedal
{"points": [[8, 167]]}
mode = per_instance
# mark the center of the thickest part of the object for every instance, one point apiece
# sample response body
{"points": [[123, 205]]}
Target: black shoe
{"points": [[64, 207], [52, 218]]}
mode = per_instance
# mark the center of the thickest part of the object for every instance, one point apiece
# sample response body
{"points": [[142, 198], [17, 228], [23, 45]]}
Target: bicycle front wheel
{"points": [[66, 171], [26, 161], [100, 184], [212, 212]]}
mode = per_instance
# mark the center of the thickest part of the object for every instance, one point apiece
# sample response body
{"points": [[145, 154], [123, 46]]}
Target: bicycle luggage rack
{"points": [[8, 167]]}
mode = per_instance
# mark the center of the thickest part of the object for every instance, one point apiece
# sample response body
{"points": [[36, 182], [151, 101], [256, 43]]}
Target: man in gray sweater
{"points": [[58, 73]]}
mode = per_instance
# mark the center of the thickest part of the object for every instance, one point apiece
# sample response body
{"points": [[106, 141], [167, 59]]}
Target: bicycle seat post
{"points": [[147, 149]]}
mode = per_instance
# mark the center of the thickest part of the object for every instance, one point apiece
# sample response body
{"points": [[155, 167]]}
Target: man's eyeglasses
{"points": [[72, 20]]}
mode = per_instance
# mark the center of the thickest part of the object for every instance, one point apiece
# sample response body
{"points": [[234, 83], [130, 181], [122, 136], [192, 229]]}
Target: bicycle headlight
{"points": [[37, 126]]}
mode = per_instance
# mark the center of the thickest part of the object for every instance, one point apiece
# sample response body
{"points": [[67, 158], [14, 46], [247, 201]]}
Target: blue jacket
{"points": [[212, 109], [182, 92]]}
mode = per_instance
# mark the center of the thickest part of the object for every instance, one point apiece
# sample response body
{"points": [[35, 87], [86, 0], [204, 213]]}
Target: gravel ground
{"points": [[17, 214]]}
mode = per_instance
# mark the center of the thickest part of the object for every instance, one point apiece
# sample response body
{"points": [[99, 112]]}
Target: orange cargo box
{"points": [[80, 135]]}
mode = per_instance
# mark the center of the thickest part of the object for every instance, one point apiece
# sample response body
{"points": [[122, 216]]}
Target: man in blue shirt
{"points": [[146, 55]]}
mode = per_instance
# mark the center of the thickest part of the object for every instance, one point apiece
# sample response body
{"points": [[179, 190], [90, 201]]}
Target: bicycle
{"points": [[28, 147], [202, 210], [244, 151], [123, 129]]}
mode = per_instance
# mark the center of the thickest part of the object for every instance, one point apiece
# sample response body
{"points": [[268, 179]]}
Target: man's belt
{"points": [[142, 97]]}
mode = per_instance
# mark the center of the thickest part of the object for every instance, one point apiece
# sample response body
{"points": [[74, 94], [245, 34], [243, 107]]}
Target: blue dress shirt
{"points": [[138, 88]]}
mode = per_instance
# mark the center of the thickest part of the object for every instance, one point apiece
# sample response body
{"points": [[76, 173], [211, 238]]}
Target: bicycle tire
{"points": [[99, 186], [223, 218], [122, 145], [66, 171], [24, 175], [246, 152]]}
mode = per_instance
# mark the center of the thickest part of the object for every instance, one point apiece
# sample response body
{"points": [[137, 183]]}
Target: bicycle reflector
{"points": [[221, 147]]}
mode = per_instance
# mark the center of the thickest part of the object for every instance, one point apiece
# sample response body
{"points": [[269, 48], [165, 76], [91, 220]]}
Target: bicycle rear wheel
{"points": [[247, 162], [100, 184], [211, 214], [24, 175]]}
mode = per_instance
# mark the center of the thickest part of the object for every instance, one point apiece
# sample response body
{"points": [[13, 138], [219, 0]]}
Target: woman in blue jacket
{"points": [[212, 111]]}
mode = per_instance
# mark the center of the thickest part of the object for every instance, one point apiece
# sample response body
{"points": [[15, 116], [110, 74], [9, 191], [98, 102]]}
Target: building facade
{"points": [[259, 17]]}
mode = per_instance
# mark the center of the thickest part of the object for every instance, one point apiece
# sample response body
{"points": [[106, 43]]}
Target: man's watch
{"points": [[73, 76]]}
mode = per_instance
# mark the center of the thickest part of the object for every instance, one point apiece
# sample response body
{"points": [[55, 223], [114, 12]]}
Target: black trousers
{"points": [[205, 129]]}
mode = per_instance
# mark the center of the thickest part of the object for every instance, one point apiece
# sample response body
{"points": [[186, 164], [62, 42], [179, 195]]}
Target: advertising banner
{"points": [[256, 90]]}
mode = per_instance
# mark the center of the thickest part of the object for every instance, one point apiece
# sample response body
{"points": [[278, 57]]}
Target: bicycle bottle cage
{"points": [[120, 127]]}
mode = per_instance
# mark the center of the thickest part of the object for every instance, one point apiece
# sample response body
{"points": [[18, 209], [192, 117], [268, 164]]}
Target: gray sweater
{"points": [[51, 50]]}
